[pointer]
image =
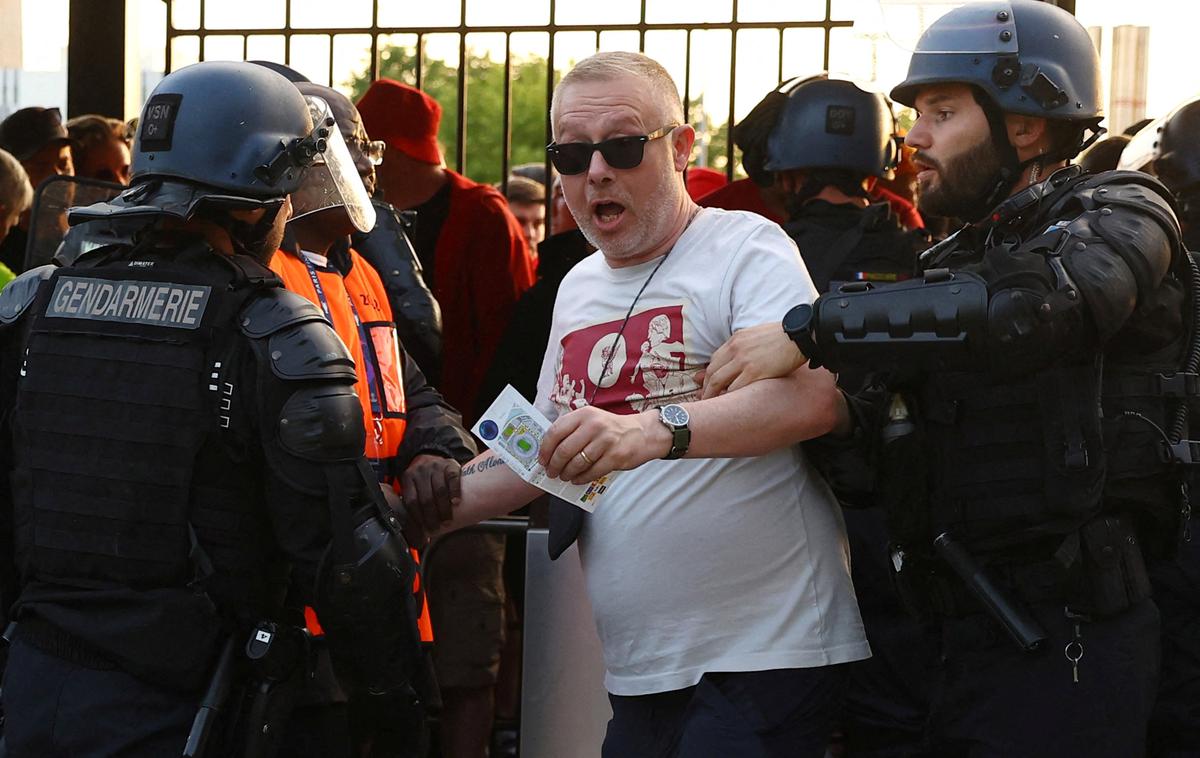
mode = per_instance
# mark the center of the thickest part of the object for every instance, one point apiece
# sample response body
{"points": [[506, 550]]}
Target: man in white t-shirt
{"points": [[719, 576]]}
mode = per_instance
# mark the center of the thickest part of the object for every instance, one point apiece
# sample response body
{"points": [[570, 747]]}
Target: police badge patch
{"points": [[179, 306]]}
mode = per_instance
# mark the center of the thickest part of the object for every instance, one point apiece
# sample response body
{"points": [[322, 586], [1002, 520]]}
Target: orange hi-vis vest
{"points": [[357, 306]]}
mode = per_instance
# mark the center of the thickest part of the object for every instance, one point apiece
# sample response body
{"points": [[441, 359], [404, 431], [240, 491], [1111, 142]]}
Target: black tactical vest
{"points": [[845, 243], [1015, 462], [135, 464]]}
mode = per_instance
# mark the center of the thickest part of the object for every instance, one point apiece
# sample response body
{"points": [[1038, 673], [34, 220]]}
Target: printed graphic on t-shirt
{"points": [[645, 367]]}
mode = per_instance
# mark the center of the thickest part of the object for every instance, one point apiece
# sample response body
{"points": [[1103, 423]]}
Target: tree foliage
{"points": [[485, 109], [485, 106]]}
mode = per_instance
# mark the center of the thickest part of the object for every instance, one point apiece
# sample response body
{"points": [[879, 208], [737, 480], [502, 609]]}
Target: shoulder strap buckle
{"points": [[1184, 452], [1180, 384]]}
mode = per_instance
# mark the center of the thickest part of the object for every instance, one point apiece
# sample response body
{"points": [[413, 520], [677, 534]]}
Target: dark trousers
{"points": [[887, 700], [996, 701], [784, 713], [54, 708], [1175, 725]]}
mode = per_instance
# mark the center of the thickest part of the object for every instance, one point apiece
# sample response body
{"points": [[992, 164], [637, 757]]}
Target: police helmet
{"points": [[1178, 159], [219, 132], [1030, 57], [831, 123]]}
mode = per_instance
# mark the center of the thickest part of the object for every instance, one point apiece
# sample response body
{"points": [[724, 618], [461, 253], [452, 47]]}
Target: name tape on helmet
{"points": [[179, 306], [839, 119], [157, 126]]}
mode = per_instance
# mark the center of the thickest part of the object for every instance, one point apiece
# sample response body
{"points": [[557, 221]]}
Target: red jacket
{"points": [[743, 195], [481, 266]]}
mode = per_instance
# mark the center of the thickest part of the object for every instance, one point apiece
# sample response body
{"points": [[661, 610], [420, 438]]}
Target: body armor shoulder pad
{"points": [[276, 309], [20, 292], [323, 424], [310, 350], [1138, 224], [301, 343], [1124, 215], [1135, 192]]}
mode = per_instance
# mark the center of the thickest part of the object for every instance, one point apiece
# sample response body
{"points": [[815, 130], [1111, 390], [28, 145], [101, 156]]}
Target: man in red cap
{"points": [[477, 263]]}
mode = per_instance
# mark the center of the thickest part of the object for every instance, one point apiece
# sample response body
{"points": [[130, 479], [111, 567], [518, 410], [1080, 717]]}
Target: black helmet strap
{"points": [[1011, 166], [246, 238]]}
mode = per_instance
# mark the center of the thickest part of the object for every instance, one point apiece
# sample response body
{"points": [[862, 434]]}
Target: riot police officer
{"points": [[1029, 448], [832, 141], [1177, 165], [1175, 725], [182, 443]]}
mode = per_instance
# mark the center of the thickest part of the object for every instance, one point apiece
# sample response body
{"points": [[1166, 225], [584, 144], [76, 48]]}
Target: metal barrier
{"points": [[564, 706], [735, 25]]}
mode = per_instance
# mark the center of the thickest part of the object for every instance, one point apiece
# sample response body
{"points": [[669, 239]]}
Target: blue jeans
{"points": [[782, 713]]}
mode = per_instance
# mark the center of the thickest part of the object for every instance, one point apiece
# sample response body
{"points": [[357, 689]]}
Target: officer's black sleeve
{"points": [[1079, 283], [1070, 288], [297, 484], [433, 426], [848, 463], [309, 427]]}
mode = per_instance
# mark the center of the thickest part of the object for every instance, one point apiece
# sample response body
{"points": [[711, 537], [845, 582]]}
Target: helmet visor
{"points": [[974, 28], [1143, 148], [333, 180]]}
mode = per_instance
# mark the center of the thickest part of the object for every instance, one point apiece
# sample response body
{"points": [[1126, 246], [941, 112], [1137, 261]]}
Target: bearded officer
{"points": [[1029, 447]]}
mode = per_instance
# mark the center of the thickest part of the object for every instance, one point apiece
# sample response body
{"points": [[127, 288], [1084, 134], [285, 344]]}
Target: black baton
{"points": [[1017, 621], [212, 704]]}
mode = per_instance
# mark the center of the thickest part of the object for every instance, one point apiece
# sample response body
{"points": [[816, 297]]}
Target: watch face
{"points": [[674, 415], [798, 318]]}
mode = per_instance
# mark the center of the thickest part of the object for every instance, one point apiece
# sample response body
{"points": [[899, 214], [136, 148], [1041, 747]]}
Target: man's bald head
{"points": [[615, 65]]}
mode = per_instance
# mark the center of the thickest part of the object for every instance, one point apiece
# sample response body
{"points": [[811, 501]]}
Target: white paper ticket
{"points": [[513, 428]]}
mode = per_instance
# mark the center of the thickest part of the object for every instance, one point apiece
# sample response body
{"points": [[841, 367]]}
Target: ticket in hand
{"points": [[513, 428]]}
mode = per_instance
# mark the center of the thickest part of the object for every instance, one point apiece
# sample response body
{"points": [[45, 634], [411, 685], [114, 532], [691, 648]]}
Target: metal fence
{"points": [[190, 28]]}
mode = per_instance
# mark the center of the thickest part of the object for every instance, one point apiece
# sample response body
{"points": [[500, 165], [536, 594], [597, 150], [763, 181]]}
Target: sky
{"points": [[874, 52]]}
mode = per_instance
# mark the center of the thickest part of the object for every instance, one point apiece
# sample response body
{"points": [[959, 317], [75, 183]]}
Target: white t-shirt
{"points": [[701, 564]]}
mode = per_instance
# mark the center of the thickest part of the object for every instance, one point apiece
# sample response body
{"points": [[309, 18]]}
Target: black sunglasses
{"points": [[619, 152]]}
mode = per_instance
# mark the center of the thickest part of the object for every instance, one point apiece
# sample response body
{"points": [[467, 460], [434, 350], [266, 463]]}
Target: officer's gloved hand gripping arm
{"points": [[349, 561]]}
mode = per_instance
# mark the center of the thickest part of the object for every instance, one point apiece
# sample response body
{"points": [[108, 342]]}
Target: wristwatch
{"points": [[797, 324], [676, 418]]}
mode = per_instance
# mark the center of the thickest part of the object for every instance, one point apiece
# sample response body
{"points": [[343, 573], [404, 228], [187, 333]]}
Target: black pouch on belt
{"points": [[1115, 572]]}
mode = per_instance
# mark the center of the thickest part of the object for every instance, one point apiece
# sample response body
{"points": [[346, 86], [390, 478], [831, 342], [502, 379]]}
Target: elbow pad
{"points": [[936, 322], [367, 606]]}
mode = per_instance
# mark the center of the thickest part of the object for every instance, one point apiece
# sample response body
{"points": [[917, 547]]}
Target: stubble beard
{"points": [[650, 222]]}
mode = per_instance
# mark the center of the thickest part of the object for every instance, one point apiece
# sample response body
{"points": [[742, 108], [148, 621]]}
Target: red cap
{"points": [[404, 117], [702, 180]]}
